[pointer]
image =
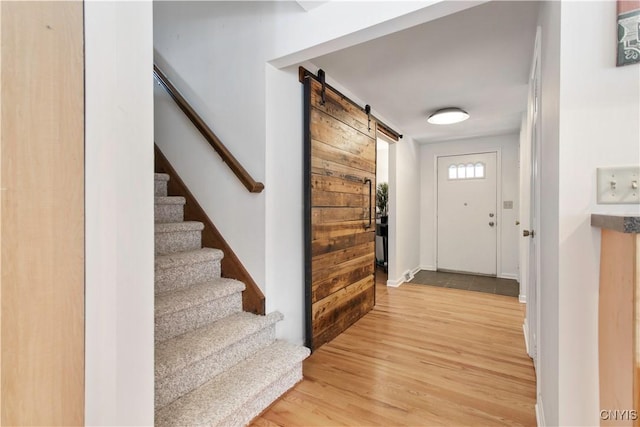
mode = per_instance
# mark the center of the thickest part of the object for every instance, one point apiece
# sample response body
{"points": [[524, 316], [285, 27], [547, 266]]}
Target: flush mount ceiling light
{"points": [[448, 116]]}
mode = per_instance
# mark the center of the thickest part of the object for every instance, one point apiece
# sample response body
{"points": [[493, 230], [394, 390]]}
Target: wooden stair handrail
{"points": [[242, 174]]}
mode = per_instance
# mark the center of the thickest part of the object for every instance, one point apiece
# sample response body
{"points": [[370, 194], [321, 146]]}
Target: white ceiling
{"points": [[477, 59]]}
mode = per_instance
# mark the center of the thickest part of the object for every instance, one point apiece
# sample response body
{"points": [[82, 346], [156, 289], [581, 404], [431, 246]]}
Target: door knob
{"points": [[491, 224], [527, 233], [490, 215]]}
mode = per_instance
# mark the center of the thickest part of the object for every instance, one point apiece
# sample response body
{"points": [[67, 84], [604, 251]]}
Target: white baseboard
{"points": [[540, 413], [525, 331], [395, 283], [501, 275], [522, 299], [406, 277]]}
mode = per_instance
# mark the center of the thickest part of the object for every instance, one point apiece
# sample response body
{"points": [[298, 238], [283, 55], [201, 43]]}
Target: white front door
{"points": [[467, 213]]}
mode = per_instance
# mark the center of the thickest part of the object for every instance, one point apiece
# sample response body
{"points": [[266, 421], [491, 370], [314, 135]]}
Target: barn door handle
{"points": [[367, 180]]}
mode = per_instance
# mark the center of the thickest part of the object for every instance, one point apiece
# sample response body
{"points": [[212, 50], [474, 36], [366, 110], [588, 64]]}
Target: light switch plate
{"points": [[619, 185]]}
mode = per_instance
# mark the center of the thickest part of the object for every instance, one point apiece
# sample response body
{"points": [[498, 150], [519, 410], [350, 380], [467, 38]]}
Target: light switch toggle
{"points": [[634, 185], [613, 185]]}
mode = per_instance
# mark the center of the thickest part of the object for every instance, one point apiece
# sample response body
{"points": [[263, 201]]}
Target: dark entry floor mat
{"points": [[468, 282]]}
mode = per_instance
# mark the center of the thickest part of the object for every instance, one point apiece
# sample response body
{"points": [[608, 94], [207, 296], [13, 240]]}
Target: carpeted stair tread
{"points": [[168, 209], [160, 184], [170, 200], [250, 410], [181, 259], [174, 237], [214, 363], [182, 370], [194, 295], [181, 269], [226, 394], [181, 351], [177, 227]]}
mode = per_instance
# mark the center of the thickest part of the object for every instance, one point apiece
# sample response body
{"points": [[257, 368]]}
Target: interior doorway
{"points": [[382, 209], [467, 213]]}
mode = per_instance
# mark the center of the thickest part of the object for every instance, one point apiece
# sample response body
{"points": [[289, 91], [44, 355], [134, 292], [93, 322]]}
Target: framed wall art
{"points": [[628, 32]]}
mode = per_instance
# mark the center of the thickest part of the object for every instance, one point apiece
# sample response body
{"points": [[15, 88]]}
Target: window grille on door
{"points": [[468, 171]]}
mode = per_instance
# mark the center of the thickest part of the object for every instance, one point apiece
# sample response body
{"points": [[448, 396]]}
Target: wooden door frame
{"points": [[498, 152], [533, 346], [383, 136], [536, 72], [42, 214]]}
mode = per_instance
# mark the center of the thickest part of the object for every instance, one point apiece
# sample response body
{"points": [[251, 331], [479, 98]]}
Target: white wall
{"points": [[599, 126], [217, 54], [508, 145], [285, 203], [119, 214], [404, 210], [547, 367], [590, 118]]}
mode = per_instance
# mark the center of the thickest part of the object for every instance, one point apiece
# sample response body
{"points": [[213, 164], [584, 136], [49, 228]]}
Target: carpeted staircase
{"points": [[214, 363]]}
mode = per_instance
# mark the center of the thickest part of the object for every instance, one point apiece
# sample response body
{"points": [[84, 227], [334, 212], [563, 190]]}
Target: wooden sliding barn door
{"points": [[340, 174]]}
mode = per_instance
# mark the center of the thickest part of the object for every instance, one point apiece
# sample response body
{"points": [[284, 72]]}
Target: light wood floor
{"points": [[423, 356]]}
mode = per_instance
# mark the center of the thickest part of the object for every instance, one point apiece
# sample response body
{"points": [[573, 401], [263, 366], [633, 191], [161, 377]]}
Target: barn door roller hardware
{"points": [[321, 78], [367, 109]]}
